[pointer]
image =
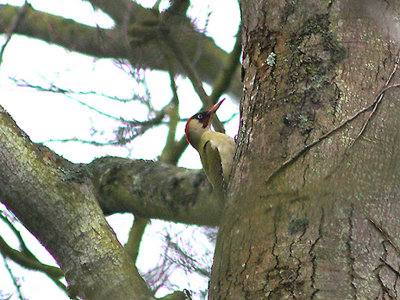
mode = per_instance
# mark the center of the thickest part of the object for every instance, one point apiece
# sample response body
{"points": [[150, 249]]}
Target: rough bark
{"points": [[136, 36], [313, 202]]}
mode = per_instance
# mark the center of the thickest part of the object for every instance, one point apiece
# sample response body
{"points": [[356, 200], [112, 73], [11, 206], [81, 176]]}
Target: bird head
{"points": [[199, 123]]}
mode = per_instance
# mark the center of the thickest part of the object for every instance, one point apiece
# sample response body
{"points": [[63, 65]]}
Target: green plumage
{"points": [[216, 153]]}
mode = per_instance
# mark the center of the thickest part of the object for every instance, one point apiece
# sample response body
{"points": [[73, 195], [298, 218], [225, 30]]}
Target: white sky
{"points": [[45, 116]]}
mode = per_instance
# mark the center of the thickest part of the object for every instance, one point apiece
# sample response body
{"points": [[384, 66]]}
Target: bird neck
{"points": [[195, 137]]}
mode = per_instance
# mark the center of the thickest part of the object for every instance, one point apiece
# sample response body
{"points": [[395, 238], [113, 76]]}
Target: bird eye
{"points": [[200, 117]]}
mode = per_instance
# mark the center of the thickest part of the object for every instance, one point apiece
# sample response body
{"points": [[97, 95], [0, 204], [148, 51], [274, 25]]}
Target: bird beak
{"points": [[215, 107], [211, 112]]}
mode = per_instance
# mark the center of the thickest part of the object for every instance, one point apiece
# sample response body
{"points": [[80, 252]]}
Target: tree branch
{"points": [[135, 237], [45, 195], [187, 67], [116, 9], [17, 234], [13, 27], [173, 150], [64, 32], [26, 259], [112, 43], [155, 190], [192, 75], [14, 280], [29, 262]]}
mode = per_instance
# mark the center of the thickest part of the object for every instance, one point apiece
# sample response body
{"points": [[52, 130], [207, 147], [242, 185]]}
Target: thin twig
{"points": [[27, 261], [22, 244], [374, 105], [191, 74], [59, 90], [173, 110], [55, 89], [186, 260], [187, 66], [130, 130], [14, 280], [171, 152], [13, 27], [81, 141], [156, 5]]}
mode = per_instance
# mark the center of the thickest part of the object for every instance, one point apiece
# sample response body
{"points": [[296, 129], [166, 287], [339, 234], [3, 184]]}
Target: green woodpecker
{"points": [[216, 149]]}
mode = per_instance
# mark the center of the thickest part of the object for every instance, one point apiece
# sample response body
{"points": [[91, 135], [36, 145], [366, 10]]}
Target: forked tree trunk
{"points": [[313, 209]]}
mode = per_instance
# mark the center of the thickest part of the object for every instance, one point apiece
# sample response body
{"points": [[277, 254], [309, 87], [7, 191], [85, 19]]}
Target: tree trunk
{"points": [[312, 208]]}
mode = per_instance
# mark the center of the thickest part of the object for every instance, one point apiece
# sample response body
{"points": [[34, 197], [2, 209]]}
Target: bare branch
{"points": [[128, 131], [192, 75], [172, 150], [186, 260], [26, 259], [187, 66], [10, 225], [132, 129], [14, 280], [89, 142], [29, 262], [52, 88], [135, 237]]}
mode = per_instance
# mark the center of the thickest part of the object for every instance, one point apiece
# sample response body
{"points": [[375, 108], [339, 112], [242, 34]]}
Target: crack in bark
{"points": [[390, 267], [313, 255], [385, 289], [395, 285], [275, 267], [229, 266], [251, 118], [384, 233], [351, 259], [244, 265], [387, 240], [304, 174], [299, 263]]}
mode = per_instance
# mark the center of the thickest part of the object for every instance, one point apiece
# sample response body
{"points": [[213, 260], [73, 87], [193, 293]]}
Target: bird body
{"points": [[214, 143], [216, 149]]}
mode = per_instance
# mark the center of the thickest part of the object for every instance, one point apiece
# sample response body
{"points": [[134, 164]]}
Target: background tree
{"points": [[311, 210]]}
